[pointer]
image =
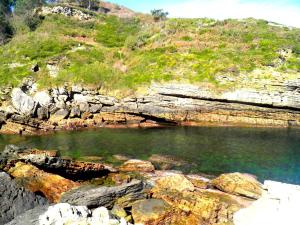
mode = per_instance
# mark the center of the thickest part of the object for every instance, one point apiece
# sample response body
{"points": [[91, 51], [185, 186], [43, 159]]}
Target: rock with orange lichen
{"points": [[52, 186], [239, 184], [135, 165]]}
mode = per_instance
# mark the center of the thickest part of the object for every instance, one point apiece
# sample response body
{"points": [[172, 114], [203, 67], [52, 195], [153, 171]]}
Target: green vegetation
{"points": [[123, 54]]}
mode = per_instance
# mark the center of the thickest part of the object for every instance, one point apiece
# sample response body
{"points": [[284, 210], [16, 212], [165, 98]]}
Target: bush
{"points": [[33, 21], [159, 15]]}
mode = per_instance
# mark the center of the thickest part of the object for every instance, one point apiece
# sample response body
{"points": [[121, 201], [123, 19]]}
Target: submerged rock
{"points": [[52, 186], [135, 165], [239, 184], [92, 196], [150, 211], [15, 200]]}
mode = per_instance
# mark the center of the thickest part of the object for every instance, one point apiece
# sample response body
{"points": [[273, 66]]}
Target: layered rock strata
{"points": [[172, 104]]}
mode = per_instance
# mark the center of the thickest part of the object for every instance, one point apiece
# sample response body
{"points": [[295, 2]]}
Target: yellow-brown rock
{"points": [[209, 207], [52, 186], [136, 165], [239, 184], [199, 181], [176, 182]]}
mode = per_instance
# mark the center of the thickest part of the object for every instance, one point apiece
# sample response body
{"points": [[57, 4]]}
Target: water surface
{"points": [[267, 153]]}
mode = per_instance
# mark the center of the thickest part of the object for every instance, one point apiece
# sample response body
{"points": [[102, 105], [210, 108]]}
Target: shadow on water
{"points": [[267, 153]]}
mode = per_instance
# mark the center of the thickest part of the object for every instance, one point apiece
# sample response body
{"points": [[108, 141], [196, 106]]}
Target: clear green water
{"points": [[267, 153]]}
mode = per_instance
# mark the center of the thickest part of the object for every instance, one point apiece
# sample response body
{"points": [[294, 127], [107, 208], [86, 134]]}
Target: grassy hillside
{"points": [[125, 54]]}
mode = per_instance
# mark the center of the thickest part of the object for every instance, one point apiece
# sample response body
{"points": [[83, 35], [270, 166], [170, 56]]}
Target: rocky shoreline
{"points": [[40, 187], [25, 110]]}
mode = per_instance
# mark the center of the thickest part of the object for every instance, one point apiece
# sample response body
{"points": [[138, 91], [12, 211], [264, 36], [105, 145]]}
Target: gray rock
{"points": [[62, 113], [15, 200], [84, 107], [101, 196], [95, 108], [75, 112], [23, 103], [42, 113]]}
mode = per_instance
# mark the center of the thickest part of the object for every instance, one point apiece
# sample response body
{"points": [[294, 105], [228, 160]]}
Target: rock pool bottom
{"points": [[268, 153]]}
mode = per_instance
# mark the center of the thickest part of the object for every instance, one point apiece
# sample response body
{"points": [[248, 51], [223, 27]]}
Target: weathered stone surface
{"points": [[199, 181], [101, 196], [176, 182], [43, 98], [52, 186], [66, 11], [135, 165], [23, 103], [166, 162], [15, 200], [279, 205], [42, 113], [64, 213], [60, 115], [150, 211], [239, 184]]}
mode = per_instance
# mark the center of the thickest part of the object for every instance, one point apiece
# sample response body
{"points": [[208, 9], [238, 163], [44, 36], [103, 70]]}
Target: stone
{"points": [[75, 112], [239, 184], [15, 200], [95, 108], [35, 180], [135, 165], [166, 162], [91, 196], [176, 182], [279, 205], [119, 211], [43, 98], [150, 211], [23, 103], [63, 214], [42, 113], [199, 181], [209, 207], [61, 114]]}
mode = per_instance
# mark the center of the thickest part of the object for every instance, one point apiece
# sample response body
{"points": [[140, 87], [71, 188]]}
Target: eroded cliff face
{"points": [[268, 104]]}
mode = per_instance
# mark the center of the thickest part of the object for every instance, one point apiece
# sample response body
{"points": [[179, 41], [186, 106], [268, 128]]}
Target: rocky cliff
{"points": [[27, 110]]}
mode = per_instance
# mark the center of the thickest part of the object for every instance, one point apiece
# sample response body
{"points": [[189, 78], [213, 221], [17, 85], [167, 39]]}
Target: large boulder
{"points": [[239, 184], [136, 165], [52, 186], [22, 102], [279, 205], [15, 200], [92, 197]]}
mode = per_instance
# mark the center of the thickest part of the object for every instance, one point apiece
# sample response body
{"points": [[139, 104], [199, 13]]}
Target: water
{"points": [[267, 153]]}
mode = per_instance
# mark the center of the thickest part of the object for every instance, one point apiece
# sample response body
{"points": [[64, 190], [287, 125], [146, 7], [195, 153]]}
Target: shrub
{"points": [[159, 14]]}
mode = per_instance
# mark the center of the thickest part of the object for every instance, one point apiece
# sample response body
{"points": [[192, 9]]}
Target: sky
{"points": [[286, 12]]}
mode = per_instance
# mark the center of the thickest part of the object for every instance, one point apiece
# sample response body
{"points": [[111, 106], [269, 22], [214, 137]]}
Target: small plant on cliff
{"points": [[159, 14]]}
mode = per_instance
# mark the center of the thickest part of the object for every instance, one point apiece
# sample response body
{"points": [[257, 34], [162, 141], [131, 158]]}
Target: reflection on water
{"points": [[268, 153]]}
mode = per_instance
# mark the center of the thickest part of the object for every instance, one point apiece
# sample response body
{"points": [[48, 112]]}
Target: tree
{"points": [[6, 30], [159, 14], [89, 4]]}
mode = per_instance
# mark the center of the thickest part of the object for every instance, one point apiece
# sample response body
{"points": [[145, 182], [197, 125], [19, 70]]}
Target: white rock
{"points": [[43, 98], [23, 103], [63, 213], [279, 206]]}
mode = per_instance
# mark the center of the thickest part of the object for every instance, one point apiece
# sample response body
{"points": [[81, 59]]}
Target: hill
{"points": [[124, 51]]}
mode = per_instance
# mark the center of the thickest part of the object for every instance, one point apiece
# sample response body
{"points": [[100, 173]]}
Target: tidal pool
{"points": [[267, 153]]}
